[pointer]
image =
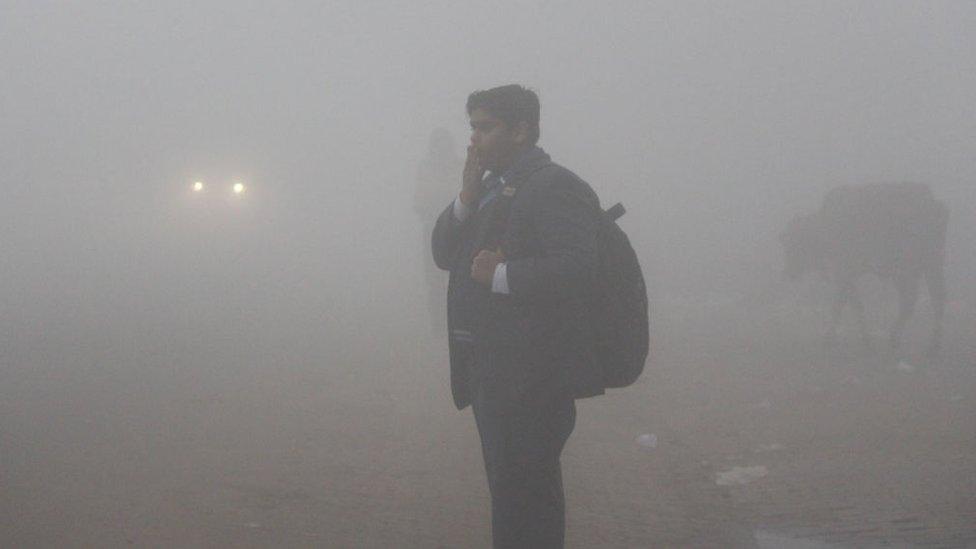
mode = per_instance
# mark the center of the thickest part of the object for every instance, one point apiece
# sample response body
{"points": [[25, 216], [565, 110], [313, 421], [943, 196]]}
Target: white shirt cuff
{"points": [[461, 212], [499, 283]]}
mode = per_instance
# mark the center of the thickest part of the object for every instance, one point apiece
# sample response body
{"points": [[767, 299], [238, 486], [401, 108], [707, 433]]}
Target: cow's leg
{"points": [[935, 280], [843, 290], [907, 286], [858, 306]]}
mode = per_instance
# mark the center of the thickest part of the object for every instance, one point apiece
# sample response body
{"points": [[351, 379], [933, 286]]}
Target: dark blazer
{"points": [[537, 337]]}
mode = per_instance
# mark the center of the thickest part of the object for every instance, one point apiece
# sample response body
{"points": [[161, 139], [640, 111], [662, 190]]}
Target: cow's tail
{"points": [[935, 239], [935, 273], [943, 221]]}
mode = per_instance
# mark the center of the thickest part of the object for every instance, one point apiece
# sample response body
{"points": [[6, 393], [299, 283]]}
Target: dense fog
{"points": [[714, 123]]}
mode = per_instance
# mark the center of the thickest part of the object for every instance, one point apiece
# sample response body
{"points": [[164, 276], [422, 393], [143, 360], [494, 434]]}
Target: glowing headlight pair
{"points": [[237, 188]]}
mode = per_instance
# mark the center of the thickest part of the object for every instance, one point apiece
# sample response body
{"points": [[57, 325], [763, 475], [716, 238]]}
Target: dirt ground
{"points": [[349, 441]]}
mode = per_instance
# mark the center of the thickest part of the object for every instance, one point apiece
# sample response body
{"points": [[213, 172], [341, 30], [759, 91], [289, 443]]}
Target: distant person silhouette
{"points": [[438, 175]]}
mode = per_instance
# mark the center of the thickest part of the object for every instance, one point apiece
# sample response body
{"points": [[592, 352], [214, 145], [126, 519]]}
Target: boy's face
{"points": [[495, 141]]}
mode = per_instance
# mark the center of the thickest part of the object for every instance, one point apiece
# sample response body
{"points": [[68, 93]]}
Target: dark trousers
{"points": [[521, 440]]}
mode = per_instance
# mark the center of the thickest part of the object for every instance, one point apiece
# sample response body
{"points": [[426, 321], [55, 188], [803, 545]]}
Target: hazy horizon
{"points": [[713, 122]]}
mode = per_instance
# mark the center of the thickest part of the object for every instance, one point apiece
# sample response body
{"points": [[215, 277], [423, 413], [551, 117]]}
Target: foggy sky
{"points": [[714, 123]]}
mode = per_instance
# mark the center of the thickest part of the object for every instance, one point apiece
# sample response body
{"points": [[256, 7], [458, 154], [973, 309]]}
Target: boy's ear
{"points": [[522, 132]]}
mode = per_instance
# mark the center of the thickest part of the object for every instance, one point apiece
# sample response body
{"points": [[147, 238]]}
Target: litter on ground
{"points": [[741, 475]]}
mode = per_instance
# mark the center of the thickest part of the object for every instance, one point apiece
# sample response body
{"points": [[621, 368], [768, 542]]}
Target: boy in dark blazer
{"points": [[520, 242]]}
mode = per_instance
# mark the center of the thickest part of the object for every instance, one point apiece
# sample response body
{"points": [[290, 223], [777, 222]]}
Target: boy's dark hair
{"points": [[511, 104]]}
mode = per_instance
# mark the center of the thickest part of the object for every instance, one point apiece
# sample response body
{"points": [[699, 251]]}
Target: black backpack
{"points": [[619, 306], [618, 302]]}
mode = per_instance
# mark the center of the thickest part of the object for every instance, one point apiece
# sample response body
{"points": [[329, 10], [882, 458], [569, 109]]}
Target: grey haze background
{"points": [[714, 123], [194, 370]]}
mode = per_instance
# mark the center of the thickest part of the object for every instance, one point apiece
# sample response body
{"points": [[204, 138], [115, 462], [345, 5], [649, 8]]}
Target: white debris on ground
{"points": [[905, 367], [770, 540], [741, 475], [772, 447], [648, 440]]}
